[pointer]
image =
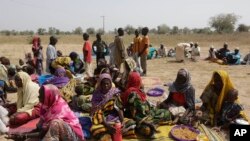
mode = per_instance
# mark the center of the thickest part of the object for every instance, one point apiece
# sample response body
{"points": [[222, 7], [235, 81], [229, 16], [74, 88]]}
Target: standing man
{"points": [[119, 51], [144, 50], [51, 52], [136, 47], [87, 54], [100, 47]]}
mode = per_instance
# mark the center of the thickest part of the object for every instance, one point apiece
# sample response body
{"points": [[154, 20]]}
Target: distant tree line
{"points": [[222, 23]]}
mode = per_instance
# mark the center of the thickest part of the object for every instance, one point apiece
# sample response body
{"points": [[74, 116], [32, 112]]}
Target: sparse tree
{"points": [[90, 30], [163, 29], [129, 29], [224, 23], [41, 31], [243, 28], [100, 30], [78, 31], [186, 30], [175, 30], [52, 30], [153, 30]]}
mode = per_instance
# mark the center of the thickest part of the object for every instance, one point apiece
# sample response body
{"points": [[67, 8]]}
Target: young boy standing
{"points": [[144, 50], [87, 54]]}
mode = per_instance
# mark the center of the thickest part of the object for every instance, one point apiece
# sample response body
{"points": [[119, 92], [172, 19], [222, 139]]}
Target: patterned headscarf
{"points": [[181, 87], [54, 107], [133, 85]]}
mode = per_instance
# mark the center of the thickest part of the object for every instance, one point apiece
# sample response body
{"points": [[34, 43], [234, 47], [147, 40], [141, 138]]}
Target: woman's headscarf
{"points": [[133, 85], [227, 85], [27, 96], [60, 79], [181, 87], [99, 98], [54, 107]]}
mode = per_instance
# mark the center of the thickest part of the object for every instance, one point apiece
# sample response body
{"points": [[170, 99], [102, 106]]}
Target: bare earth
{"points": [[164, 68]]}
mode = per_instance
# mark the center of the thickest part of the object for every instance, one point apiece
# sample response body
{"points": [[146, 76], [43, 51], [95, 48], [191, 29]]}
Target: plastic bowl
{"points": [[155, 92], [181, 126]]}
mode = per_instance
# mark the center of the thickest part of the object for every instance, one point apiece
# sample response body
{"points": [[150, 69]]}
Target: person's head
{"points": [[130, 64], [60, 72], [79, 90], [85, 36], [182, 77], [144, 31], [21, 62], [73, 56], [105, 70], [232, 95], [211, 49], [150, 45], [30, 70], [161, 46], [105, 82], [120, 31], [48, 95], [36, 41], [11, 72], [191, 44], [5, 61], [101, 62], [98, 36], [196, 44], [218, 83], [59, 53], [137, 33], [52, 40], [21, 79], [225, 45], [134, 80], [236, 50]]}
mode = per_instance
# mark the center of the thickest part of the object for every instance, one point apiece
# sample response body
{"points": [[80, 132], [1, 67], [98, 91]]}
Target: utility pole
{"points": [[103, 24]]}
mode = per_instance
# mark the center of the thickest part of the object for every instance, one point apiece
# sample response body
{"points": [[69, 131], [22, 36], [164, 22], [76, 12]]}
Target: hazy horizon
{"points": [[66, 15]]}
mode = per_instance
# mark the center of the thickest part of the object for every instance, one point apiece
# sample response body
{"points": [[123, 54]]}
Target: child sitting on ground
{"points": [[81, 102], [231, 109], [31, 71]]}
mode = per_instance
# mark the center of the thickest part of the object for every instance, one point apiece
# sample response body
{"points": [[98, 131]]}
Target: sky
{"points": [[66, 15]]}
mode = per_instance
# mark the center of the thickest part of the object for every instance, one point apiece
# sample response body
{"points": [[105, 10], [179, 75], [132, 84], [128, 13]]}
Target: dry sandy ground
{"points": [[166, 69]]}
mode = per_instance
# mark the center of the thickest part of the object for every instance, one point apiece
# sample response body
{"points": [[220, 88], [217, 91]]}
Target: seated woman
{"points": [[181, 94], [27, 106], [107, 110], [57, 121], [138, 108], [60, 79], [214, 96], [63, 62], [77, 63]]}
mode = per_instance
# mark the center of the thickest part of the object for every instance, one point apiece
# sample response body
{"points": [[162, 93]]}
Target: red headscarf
{"points": [[54, 107], [36, 42], [133, 85]]}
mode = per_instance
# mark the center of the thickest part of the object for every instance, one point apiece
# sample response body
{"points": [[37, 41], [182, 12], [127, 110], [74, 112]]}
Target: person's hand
{"points": [[111, 129], [15, 136], [217, 129]]}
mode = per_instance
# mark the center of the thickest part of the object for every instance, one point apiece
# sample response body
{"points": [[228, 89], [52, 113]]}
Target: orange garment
{"points": [[144, 42], [136, 46]]}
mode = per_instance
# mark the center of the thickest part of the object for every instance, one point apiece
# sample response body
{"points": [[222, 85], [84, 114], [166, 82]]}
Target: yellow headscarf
{"points": [[227, 85], [27, 96]]}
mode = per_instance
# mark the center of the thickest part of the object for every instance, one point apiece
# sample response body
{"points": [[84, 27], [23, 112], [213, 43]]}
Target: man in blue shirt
{"points": [[233, 58]]}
